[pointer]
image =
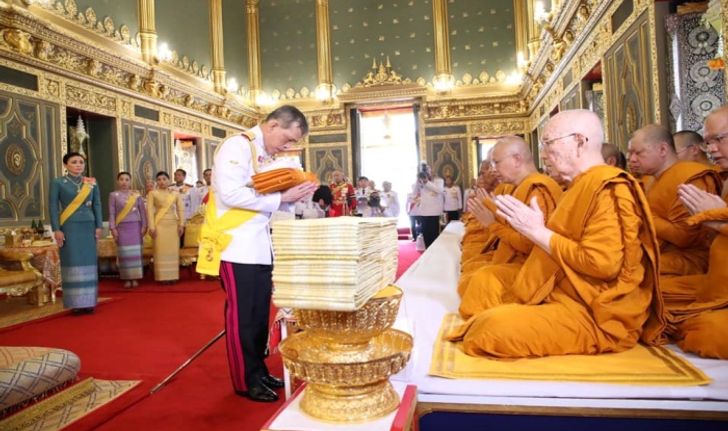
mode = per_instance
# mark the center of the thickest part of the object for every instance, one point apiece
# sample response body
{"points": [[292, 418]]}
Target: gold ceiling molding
{"points": [[326, 120], [581, 33], [88, 19], [472, 110], [29, 39]]}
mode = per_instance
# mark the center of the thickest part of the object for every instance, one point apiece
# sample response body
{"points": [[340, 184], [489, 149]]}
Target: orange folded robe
{"points": [[698, 322], [476, 235], [596, 292], [504, 244], [683, 248]]}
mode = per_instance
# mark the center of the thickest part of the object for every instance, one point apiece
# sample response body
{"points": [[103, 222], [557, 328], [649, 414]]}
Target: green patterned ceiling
{"points": [[482, 38], [288, 46], [186, 30], [364, 30]]}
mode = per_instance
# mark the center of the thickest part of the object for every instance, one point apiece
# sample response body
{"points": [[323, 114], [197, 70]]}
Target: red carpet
{"points": [[146, 336]]}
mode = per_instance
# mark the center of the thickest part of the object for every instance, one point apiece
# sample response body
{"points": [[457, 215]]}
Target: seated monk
{"points": [[698, 319], [689, 146], [513, 161], [613, 157], [683, 248], [591, 283], [476, 235]]}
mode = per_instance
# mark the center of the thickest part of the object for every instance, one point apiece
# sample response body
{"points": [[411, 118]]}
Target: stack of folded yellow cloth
{"points": [[281, 179], [332, 263]]}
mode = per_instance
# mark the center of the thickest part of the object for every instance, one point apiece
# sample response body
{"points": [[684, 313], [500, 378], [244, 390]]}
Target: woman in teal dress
{"points": [[75, 208]]}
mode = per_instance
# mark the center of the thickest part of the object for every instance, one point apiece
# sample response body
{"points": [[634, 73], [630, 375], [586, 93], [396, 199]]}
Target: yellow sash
{"points": [[127, 207], [76, 202], [167, 205], [213, 239]]}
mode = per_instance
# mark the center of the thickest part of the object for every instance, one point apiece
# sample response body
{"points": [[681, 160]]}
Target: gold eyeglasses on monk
{"points": [[544, 144], [714, 140]]}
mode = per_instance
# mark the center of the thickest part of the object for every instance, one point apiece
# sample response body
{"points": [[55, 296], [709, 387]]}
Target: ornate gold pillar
{"points": [[521, 17], [147, 30], [443, 68], [252, 14], [534, 41], [216, 38], [325, 87]]}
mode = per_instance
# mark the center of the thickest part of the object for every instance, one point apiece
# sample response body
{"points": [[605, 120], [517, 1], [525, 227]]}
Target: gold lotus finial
{"points": [[382, 74]]}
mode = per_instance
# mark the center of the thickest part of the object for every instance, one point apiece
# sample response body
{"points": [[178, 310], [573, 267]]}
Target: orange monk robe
{"points": [[476, 236], [596, 292], [505, 245], [683, 248], [698, 322]]}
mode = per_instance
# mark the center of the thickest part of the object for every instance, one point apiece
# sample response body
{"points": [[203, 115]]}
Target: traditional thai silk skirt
{"points": [[79, 265], [129, 250], [166, 251]]}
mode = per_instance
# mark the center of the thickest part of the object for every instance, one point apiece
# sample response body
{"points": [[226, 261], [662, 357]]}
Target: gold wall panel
{"points": [[572, 99], [29, 144], [148, 149], [628, 86], [323, 161], [448, 157]]}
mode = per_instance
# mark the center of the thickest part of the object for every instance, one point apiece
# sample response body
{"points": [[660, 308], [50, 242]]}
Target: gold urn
{"points": [[346, 358]]}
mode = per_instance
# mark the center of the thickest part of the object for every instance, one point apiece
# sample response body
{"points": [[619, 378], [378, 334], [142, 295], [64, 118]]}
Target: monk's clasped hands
{"points": [[697, 200]]}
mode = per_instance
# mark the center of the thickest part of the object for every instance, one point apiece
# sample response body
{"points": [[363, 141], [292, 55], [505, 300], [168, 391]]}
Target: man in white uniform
{"points": [[246, 263]]}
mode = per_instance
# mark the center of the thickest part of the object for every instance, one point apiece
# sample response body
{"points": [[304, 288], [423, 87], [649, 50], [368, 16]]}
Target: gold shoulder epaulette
{"points": [[248, 134]]}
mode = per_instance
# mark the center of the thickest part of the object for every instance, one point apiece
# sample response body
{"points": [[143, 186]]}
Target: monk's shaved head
{"points": [[655, 134], [651, 150], [512, 159], [612, 156], [487, 177], [572, 142], [581, 121]]}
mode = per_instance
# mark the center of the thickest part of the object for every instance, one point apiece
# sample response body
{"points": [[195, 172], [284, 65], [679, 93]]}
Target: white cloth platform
{"points": [[430, 292]]}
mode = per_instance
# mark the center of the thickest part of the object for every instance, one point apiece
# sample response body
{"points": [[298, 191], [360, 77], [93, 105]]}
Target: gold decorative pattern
{"points": [[88, 19], [90, 100], [499, 127], [327, 120], [15, 159], [59, 49], [443, 111]]}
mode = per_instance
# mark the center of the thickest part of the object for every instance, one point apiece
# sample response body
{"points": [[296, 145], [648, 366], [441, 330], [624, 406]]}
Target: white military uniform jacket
{"points": [[453, 198], [232, 185], [432, 197]]}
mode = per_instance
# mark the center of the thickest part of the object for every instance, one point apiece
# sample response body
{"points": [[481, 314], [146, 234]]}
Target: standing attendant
{"points": [[238, 217], [166, 220], [453, 200], [75, 209], [128, 225]]}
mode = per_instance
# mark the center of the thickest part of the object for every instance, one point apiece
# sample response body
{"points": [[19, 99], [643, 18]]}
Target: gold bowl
{"points": [[353, 328], [347, 385]]}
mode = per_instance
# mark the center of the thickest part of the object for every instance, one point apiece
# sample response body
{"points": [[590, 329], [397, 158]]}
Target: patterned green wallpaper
{"points": [[235, 43], [482, 38], [186, 29], [288, 46], [123, 12], [363, 30]]}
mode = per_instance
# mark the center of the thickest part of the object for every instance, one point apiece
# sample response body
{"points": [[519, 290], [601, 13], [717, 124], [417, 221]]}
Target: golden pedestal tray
{"points": [[346, 358]]}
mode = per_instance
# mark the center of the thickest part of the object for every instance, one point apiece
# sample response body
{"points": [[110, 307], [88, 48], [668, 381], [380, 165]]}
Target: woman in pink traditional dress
{"points": [[128, 224]]}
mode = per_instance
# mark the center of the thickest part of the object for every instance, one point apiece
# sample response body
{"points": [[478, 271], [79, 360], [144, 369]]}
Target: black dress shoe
{"points": [[260, 393], [272, 382]]}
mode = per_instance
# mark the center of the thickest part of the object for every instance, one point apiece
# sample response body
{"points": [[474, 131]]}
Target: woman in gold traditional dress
{"points": [[165, 216]]}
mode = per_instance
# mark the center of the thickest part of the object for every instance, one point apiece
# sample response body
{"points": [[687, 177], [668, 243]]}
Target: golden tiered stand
{"points": [[346, 358]]}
